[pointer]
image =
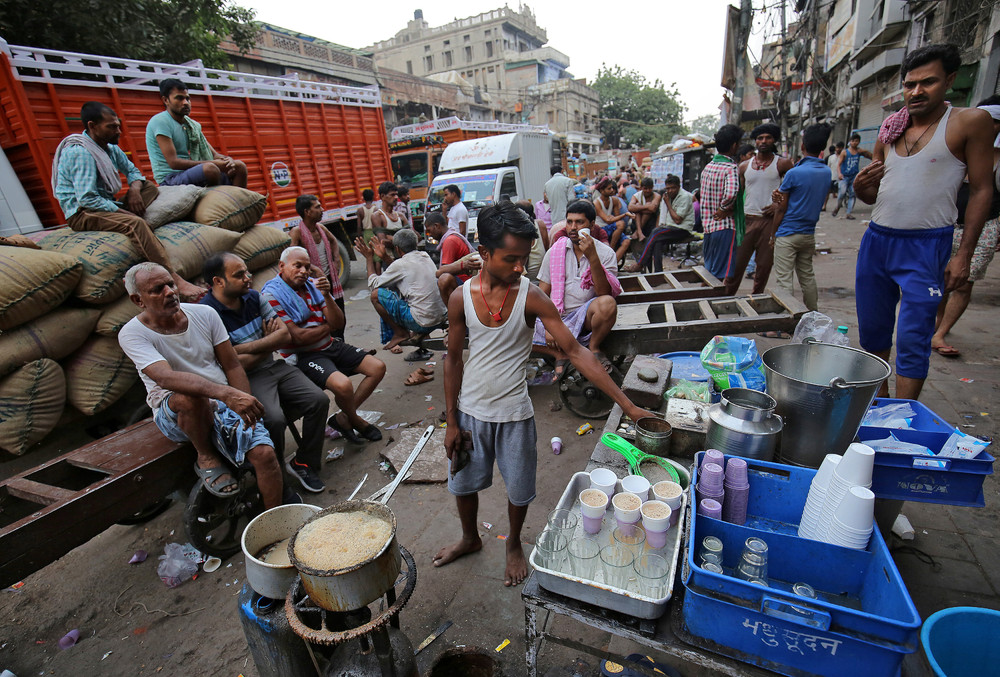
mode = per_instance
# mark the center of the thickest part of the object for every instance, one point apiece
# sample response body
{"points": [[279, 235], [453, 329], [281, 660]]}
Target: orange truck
{"points": [[295, 136], [415, 151]]}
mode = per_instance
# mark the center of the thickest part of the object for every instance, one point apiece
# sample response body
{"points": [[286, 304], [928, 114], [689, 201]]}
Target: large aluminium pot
{"points": [[823, 392], [271, 526], [743, 423], [355, 586]]}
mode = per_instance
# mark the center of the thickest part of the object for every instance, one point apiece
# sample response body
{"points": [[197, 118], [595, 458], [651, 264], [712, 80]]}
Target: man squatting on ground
{"points": [[310, 314], [921, 157], [489, 412], [85, 179], [195, 384], [256, 332]]}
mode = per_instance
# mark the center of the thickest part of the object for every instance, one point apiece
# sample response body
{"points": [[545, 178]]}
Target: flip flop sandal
{"points": [[347, 432], [416, 378], [418, 355], [213, 482], [946, 351]]}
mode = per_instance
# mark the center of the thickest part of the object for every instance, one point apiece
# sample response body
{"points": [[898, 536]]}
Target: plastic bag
{"points": [[893, 446], [176, 565], [896, 415], [689, 390], [733, 362], [820, 327], [960, 445]]}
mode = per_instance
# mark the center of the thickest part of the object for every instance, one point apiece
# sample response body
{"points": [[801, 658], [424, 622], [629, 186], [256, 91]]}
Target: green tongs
{"points": [[636, 457]]}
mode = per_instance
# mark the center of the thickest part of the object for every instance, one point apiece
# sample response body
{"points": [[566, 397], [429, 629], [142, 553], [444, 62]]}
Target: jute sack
{"points": [[189, 244], [105, 257], [229, 207], [98, 374], [33, 282], [54, 336], [263, 276], [261, 246], [172, 203], [31, 401], [115, 315]]}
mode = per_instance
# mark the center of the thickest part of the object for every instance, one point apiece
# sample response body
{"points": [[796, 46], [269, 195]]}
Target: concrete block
{"points": [[642, 393]]}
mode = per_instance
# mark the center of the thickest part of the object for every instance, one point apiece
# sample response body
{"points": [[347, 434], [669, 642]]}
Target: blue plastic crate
{"points": [[926, 479], [862, 622]]}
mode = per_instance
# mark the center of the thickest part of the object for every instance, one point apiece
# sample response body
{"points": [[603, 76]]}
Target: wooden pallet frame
{"points": [[50, 509], [670, 285]]}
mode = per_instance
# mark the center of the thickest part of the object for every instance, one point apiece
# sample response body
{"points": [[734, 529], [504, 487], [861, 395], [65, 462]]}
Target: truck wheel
{"points": [[345, 264]]}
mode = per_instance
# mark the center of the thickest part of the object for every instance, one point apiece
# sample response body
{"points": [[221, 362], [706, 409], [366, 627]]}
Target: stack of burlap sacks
{"points": [[61, 306]]}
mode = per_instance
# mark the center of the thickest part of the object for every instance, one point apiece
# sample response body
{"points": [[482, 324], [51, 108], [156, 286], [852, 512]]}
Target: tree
{"points": [[706, 124], [634, 111], [171, 31]]}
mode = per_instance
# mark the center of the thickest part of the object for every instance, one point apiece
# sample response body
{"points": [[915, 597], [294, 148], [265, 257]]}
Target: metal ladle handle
{"points": [[401, 475]]}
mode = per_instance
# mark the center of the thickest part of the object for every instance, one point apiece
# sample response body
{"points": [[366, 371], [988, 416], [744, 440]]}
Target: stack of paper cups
{"points": [[737, 492], [813, 511], [853, 470], [854, 520], [712, 456], [710, 482]]}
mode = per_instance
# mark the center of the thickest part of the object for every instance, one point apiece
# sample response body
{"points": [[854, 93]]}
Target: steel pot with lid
{"points": [[743, 423]]}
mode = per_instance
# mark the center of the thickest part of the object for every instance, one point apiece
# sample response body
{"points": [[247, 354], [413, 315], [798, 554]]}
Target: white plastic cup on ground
{"points": [[556, 443], [656, 521], [605, 480], [593, 504], [635, 484]]}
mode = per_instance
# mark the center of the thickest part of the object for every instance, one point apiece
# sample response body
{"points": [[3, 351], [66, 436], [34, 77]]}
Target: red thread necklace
{"points": [[497, 316]]}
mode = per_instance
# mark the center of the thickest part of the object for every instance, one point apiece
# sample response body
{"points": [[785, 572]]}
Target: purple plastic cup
{"points": [[592, 525], [736, 471], [734, 507], [710, 508], [711, 477], [713, 456], [656, 539]]}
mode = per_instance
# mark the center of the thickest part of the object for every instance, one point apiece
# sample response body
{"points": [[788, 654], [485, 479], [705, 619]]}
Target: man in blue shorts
{"points": [[178, 150], [405, 295], [922, 155], [195, 384], [256, 332], [489, 413], [848, 166]]}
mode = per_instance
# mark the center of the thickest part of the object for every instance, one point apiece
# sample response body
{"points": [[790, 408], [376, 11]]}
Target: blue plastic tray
{"points": [[863, 621], [926, 479], [686, 365]]}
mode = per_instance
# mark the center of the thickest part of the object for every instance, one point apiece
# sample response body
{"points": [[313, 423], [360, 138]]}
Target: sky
{"points": [[678, 41]]}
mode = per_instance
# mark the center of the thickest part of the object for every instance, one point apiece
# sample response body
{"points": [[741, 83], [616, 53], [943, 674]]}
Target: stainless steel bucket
{"points": [[823, 392], [743, 423]]}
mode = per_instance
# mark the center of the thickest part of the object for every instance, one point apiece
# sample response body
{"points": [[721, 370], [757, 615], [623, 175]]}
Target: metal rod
{"points": [[409, 461]]}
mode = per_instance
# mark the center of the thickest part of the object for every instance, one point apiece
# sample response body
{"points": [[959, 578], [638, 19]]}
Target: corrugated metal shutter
{"points": [[870, 114]]}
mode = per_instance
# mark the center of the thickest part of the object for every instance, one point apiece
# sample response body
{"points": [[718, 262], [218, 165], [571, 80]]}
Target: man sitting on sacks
{"points": [[195, 384], [85, 179], [578, 273]]}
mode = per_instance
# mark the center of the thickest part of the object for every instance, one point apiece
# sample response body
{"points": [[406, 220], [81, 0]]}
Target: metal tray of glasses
{"points": [[596, 592]]}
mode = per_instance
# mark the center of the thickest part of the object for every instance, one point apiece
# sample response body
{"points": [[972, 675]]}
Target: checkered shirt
{"points": [[720, 184]]}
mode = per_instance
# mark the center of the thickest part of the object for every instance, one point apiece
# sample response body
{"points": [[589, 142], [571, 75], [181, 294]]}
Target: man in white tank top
{"points": [[920, 160], [489, 413], [762, 174]]}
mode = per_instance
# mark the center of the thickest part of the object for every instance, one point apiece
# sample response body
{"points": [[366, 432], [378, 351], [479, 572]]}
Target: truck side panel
{"points": [[292, 143]]}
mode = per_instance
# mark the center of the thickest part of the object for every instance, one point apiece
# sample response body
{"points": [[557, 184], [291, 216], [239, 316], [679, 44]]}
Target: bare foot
{"points": [[394, 343], [450, 553], [190, 292], [517, 565]]}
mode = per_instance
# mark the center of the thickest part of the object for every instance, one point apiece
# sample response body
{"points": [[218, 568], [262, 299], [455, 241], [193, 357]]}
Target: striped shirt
{"points": [[317, 317], [78, 185], [247, 323], [720, 184]]}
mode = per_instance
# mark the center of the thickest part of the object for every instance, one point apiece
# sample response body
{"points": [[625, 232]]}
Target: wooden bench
{"points": [[48, 510]]}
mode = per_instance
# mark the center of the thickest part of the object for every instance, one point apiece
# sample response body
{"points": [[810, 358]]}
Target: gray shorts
{"points": [[511, 445]]}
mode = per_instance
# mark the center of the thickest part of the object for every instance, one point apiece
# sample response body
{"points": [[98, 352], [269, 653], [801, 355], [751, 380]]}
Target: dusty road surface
{"points": [[131, 624]]}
